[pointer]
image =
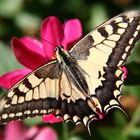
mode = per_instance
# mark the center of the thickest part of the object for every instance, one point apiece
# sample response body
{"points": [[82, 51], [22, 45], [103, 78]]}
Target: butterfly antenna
{"points": [[37, 36]]}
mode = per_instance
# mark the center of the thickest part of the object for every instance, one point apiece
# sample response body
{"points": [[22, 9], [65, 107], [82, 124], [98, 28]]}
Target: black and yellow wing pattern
{"points": [[81, 84], [103, 52]]}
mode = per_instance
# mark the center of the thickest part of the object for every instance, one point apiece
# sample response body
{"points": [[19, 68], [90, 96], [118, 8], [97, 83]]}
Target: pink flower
{"points": [[32, 53], [125, 72], [17, 131]]}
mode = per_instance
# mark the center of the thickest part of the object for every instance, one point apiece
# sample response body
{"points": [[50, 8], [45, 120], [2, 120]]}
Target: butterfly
{"points": [[82, 84]]}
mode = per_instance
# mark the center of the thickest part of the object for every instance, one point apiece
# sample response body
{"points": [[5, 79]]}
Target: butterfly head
{"points": [[61, 53], [59, 48]]}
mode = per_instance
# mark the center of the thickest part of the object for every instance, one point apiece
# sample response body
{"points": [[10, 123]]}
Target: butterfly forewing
{"points": [[110, 43], [35, 95]]}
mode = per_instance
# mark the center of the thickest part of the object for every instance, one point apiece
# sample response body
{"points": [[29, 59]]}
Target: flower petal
{"points": [[125, 72], [46, 133], [101, 115], [50, 118], [52, 31], [32, 132], [11, 78], [1, 135], [28, 57], [14, 131], [33, 45], [72, 32]]}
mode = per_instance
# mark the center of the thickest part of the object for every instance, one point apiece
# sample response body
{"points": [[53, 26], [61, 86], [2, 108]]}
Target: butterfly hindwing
{"points": [[111, 87], [75, 106]]}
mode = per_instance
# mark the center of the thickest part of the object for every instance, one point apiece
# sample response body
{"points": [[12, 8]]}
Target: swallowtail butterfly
{"points": [[82, 83]]}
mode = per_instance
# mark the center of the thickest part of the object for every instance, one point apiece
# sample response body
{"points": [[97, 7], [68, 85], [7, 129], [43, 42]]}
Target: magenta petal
{"points": [[1, 135], [11, 78], [125, 72], [32, 132], [46, 133], [28, 57], [33, 45], [50, 118], [72, 32], [101, 115], [14, 131], [52, 31]]}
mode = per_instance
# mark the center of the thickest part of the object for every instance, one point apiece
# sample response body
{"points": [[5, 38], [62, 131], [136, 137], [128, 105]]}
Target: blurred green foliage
{"points": [[23, 17]]}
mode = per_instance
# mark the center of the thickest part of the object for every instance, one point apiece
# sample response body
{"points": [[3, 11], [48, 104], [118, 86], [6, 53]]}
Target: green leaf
{"points": [[75, 138], [120, 120], [98, 15], [132, 90], [133, 77], [9, 8], [134, 133], [33, 121], [135, 56], [111, 133], [7, 59], [25, 20]]}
